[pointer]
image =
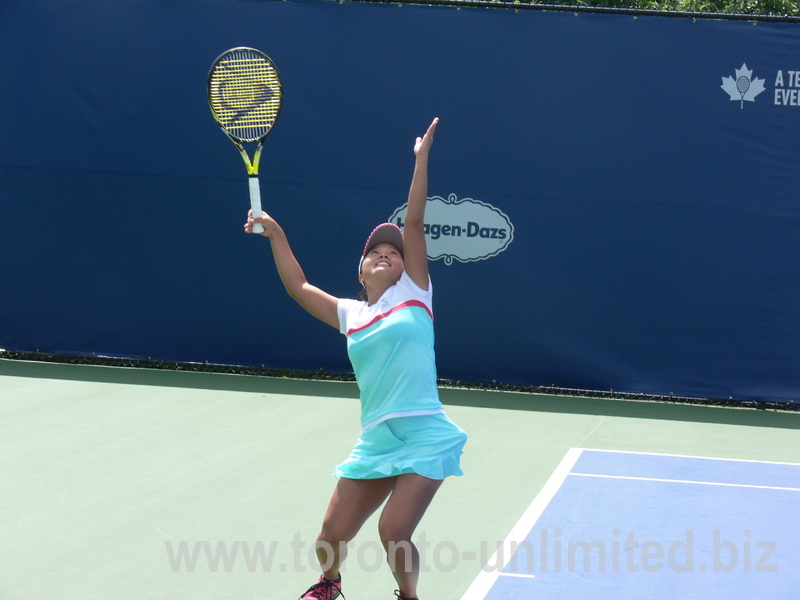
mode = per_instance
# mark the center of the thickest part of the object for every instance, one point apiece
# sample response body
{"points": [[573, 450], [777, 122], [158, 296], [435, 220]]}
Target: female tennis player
{"points": [[408, 445]]}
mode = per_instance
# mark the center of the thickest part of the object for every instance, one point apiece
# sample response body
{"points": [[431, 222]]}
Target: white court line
{"points": [[742, 485], [745, 460], [487, 577]]}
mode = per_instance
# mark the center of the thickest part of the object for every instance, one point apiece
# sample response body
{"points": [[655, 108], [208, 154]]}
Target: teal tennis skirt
{"points": [[429, 445]]}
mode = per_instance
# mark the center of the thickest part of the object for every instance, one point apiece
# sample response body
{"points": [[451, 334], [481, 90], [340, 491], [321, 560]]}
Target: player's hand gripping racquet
{"points": [[244, 92]]}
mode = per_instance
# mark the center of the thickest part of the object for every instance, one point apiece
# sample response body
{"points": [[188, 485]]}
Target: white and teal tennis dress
{"points": [[404, 426]]}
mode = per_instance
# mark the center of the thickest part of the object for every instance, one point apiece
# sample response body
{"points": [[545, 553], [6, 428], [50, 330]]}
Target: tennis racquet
{"points": [[743, 85], [244, 92]]}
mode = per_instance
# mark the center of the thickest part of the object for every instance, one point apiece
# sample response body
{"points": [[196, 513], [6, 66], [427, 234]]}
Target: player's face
{"points": [[384, 261]]}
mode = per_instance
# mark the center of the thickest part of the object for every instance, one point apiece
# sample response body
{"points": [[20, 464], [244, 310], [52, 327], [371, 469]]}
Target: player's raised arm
{"points": [[416, 251], [319, 303]]}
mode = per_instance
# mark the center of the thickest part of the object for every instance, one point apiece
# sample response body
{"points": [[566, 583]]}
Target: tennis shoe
{"points": [[324, 589]]}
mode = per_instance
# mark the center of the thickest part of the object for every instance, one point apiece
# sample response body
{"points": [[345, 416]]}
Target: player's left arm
{"points": [[416, 251]]}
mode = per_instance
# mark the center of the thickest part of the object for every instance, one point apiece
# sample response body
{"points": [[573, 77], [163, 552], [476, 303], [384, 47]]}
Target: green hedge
{"points": [[762, 9], [742, 7]]}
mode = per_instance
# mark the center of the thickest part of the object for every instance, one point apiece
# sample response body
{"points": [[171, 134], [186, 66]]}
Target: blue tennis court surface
{"points": [[633, 525]]}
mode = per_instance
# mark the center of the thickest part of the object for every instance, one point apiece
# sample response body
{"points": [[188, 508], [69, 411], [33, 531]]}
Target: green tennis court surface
{"points": [[128, 483]]}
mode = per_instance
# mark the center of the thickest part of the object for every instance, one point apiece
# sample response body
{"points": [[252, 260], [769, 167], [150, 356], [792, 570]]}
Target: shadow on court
{"points": [[515, 401]]}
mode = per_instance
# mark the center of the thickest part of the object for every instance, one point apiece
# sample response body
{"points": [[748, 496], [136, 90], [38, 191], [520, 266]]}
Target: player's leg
{"points": [[407, 503], [352, 503]]}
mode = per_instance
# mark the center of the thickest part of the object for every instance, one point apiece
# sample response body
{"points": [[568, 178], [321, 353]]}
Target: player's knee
{"points": [[333, 535], [394, 534]]}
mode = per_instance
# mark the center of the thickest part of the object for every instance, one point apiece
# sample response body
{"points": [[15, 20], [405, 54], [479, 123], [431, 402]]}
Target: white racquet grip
{"points": [[255, 202]]}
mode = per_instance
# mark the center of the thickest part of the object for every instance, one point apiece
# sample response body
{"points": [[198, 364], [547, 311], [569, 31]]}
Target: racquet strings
{"points": [[743, 85], [245, 94]]}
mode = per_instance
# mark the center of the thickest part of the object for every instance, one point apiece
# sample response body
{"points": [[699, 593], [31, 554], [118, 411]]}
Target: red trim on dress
{"points": [[400, 306]]}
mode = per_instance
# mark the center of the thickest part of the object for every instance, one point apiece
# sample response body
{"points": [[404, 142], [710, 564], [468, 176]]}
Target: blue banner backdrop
{"points": [[614, 200]]}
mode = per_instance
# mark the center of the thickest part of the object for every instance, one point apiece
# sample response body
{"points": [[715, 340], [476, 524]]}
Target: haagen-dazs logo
{"points": [[465, 230], [744, 88]]}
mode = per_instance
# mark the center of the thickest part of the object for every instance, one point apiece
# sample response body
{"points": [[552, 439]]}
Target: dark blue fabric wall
{"points": [[649, 212]]}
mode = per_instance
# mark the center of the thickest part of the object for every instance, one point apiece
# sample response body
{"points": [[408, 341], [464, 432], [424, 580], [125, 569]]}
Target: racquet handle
{"points": [[255, 202]]}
